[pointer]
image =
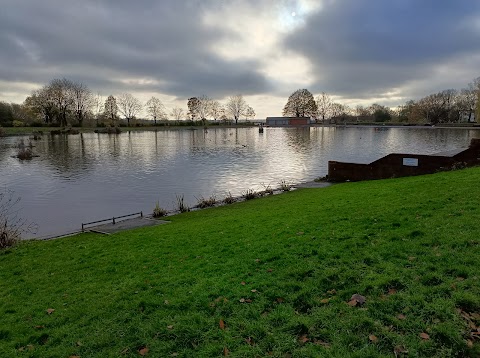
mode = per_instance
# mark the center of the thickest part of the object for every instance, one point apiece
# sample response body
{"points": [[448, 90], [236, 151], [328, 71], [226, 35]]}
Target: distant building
{"points": [[287, 121]]}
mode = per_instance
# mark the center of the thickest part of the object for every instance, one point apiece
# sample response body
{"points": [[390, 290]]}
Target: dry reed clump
{"points": [[158, 211], [11, 225], [249, 194], [181, 206], [203, 203], [24, 151], [229, 199], [284, 186]]}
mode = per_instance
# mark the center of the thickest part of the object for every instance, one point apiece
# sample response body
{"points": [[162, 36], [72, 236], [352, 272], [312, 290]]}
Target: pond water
{"points": [[87, 177]]}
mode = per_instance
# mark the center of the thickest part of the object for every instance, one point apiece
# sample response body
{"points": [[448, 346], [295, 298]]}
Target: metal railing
{"points": [[111, 219]]}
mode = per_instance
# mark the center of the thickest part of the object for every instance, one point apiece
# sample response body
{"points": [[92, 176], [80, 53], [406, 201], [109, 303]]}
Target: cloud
{"points": [[366, 48], [164, 43], [357, 50]]}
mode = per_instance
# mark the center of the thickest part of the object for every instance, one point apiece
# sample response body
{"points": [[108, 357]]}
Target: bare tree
{"points": [[111, 109], [300, 104], [82, 100], [60, 91], [250, 113], [203, 107], [155, 109], [324, 104], [177, 113], [216, 110], [236, 106], [129, 106], [97, 105], [468, 100], [339, 110]]}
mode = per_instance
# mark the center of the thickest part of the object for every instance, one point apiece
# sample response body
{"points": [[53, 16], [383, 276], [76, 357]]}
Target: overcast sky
{"points": [[360, 51]]}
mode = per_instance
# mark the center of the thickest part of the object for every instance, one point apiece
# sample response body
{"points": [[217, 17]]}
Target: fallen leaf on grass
{"points": [[269, 270], [401, 316], [225, 351], [280, 300], [372, 338], [50, 310], [39, 327], [399, 350], [356, 300], [242, 300], [79, 344], [174, 354], [143, 351], [249, 341], [392, 291], [74, 357], [325, 300], [30, 347], [166, 302], [221, 324], [254, 290], [424, 336], [243, 283], [303, 339], [332, 292], [360, 299], [170, 327], [257, 260], [469, 343]]}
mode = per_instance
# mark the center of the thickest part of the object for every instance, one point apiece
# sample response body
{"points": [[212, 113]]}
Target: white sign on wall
{"points": [[410, 162]]}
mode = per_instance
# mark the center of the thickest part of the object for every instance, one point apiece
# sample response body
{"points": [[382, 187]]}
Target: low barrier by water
{"points": [[113, 219]]}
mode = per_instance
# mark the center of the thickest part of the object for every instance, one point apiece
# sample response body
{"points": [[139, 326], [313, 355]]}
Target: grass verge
{"points": [[267, 277]]}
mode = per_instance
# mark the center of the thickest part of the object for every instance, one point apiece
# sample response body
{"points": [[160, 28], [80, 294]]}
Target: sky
{"points": [[357, 51]]}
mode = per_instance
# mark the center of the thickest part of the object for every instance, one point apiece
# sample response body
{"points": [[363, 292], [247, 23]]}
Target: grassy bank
{"points": [[268, 277]]}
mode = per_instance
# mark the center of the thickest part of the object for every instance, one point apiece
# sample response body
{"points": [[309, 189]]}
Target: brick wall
{"points": [[400, 165]]}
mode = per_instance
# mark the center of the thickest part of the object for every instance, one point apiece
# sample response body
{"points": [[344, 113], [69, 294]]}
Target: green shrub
{"points": [[18, 123]]}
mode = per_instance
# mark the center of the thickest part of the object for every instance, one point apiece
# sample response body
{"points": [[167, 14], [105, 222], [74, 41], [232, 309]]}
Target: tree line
{"points": [[447, 106], [63, 102]]}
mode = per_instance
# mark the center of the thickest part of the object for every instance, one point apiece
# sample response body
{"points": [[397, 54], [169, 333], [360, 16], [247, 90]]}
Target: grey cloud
{"points": [[104, 40], [363, 48]]}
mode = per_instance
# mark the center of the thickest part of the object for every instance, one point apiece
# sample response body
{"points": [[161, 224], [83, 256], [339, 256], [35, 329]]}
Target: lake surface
{"points": [[87, 177]]}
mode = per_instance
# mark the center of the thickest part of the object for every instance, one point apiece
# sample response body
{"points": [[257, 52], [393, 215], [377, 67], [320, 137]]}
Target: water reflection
{"points": [[80, 178]]}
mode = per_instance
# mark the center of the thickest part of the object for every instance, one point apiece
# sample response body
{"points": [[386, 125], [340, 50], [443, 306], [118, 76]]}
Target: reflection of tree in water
{"points": [[299, 139], [5, 150], [66, 153]]}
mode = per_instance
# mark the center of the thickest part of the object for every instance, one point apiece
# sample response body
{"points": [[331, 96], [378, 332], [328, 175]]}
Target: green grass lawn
{"points": [[267, 277]]}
